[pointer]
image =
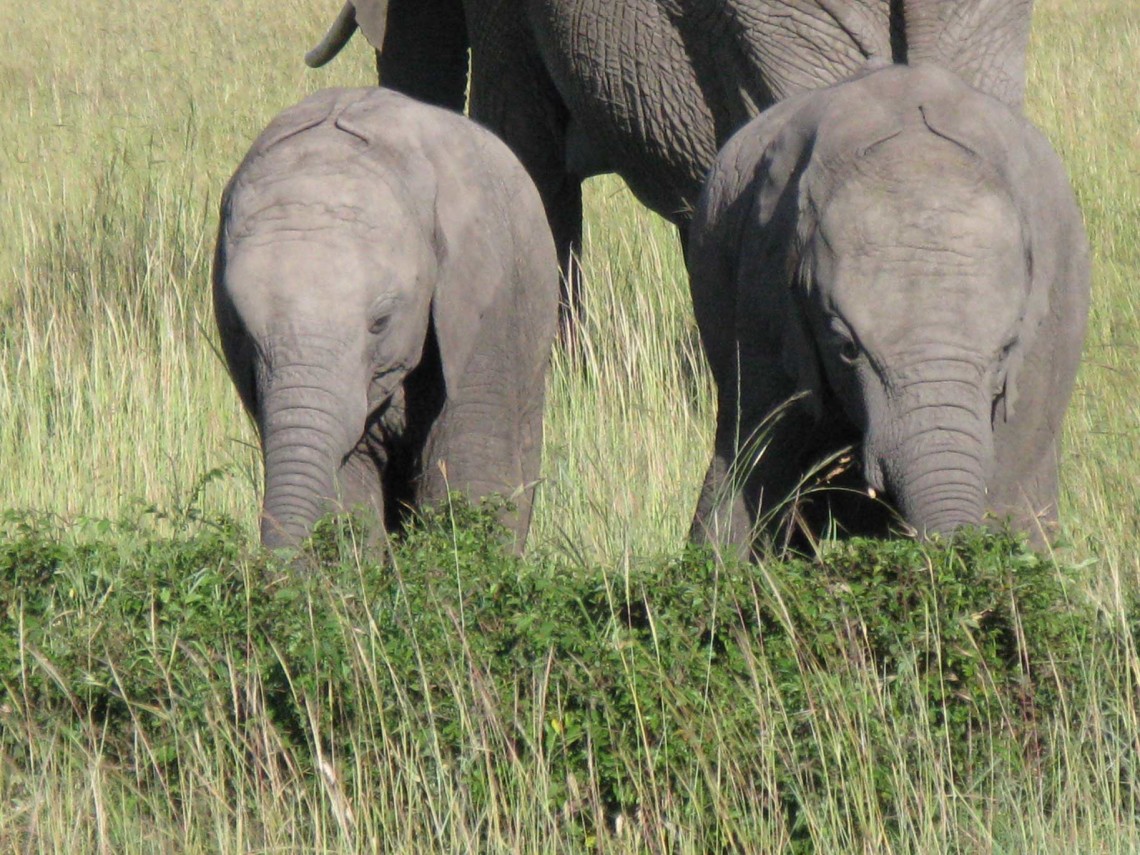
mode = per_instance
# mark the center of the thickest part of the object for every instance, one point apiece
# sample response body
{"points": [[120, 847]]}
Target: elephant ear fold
{"points": [[458, 314], [1036, 307], [1006, 403], [295, 120], [786, 220]]}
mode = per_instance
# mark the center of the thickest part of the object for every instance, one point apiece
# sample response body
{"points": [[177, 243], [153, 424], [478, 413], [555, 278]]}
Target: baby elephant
{"points": [[897, 264], [386, 290]]}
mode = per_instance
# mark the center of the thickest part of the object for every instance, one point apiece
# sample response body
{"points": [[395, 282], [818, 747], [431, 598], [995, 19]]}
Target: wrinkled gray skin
{"points": [[905, 255], [386, 290], [651, 89]]}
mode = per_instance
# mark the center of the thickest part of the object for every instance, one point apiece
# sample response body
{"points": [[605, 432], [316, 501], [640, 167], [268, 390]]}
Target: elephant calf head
{"points": [[902, 256], [383, 316]]}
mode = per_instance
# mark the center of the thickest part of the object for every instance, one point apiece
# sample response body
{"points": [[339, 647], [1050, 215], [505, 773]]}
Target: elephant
{"points": [[651, 89], [385, 289], [895, 264]]}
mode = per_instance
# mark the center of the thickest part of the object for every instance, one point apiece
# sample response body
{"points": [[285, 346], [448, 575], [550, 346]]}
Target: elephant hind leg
{"points": [[514, 96], [425, 52]]}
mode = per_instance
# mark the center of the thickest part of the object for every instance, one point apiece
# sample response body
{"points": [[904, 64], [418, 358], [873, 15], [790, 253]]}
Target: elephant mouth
{"points": [[840, 496], [383, 423]]}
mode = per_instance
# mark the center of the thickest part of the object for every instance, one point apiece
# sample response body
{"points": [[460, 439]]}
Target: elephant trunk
{"points": [[939, 461], [304, 443]]}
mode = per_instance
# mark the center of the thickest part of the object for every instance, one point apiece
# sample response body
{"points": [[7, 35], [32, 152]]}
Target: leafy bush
{"points": [[633, 690]]}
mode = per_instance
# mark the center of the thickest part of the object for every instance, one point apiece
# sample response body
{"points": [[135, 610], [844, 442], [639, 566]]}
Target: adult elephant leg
{"points": [[983, 41], [513, 95], [425, 51]]}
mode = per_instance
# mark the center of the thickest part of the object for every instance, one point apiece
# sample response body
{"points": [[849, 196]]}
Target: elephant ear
{"points": [[782, 226], [1036, 180], [1056, 256], [497, 289], [738, 254], [982, 41], [463, 312], [768, 278]]}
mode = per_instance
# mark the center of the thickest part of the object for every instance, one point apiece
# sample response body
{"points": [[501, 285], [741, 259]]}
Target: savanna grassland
{"points": [[119, 125]]}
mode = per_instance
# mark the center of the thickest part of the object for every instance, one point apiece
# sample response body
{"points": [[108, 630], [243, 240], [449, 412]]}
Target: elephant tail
{"points": [[335, 39]]}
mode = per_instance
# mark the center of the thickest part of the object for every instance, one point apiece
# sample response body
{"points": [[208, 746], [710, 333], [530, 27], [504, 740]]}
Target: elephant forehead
{"points": [[934, 207], [320, 277], [893, 310], [316, 196], [318, 225], [895, 270]]}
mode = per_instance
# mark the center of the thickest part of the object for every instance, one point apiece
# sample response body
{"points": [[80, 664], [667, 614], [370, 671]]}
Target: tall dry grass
{"points": [[121, 129]]}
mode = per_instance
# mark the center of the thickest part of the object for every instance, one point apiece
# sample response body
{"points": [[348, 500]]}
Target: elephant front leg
{"points": [[1025, 491], [751, 490], [734, 488], [480, 449], [360, 490], [721, 518]]}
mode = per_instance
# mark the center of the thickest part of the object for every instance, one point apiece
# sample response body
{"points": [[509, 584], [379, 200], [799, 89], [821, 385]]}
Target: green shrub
{"points": [[636, 689]]}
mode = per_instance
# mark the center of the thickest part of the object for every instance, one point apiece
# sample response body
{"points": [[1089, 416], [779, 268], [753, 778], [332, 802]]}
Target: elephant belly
{"points": [[659, 85], [622, 70]]}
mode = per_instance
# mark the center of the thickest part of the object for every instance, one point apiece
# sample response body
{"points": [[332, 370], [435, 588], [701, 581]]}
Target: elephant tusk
{"points": [[872, 492], [335, 39]]}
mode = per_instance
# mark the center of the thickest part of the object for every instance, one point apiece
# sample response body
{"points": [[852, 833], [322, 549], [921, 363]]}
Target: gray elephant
{"points": [[896, 263], [651, 89], [386, 290]]}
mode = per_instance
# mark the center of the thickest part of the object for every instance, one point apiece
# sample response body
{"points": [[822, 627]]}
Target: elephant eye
{"points": [[848, 351], [379, 324], [845, 345], [382, 310]]}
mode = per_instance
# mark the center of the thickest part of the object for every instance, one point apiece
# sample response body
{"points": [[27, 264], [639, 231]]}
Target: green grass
{"points": [[904, 697], [120, 128]]}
